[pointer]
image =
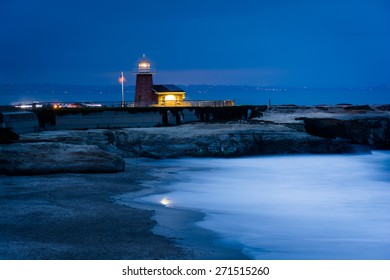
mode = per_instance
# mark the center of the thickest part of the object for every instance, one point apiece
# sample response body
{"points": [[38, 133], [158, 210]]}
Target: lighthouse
{"points": [[144, 95]]}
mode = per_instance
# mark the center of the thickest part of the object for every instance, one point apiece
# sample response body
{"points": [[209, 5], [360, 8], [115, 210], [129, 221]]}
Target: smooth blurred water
{"points": [[290, 207]]}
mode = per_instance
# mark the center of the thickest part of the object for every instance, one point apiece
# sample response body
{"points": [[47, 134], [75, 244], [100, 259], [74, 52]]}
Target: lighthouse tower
{"points": [[144, 95]]}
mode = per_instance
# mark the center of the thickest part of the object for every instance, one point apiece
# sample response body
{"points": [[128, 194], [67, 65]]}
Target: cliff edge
{"points": [[281, 130]]}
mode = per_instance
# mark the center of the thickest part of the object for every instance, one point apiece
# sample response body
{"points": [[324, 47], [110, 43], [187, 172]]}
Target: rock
{"points": [[372, 131], [49, 157], [384, 107], [7, 136], [286, 130], [358, 108], [224, 140], [197, 140]]}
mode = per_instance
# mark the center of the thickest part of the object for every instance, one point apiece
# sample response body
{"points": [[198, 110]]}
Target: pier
{"points": [[94, 117]]}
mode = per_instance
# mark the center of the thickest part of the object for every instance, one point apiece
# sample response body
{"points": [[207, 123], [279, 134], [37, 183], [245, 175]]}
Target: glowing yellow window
{"points": [[170, 97]]}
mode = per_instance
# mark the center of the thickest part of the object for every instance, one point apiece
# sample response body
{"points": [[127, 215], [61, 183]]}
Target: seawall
{"points": [[111, 117]]}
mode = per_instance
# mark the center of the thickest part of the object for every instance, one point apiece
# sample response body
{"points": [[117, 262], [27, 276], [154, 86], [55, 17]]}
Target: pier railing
{"points": [[117, 104], [211, 103]]}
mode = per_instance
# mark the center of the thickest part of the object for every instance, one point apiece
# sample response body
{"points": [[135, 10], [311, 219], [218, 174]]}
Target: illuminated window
{"points": [[170, 97]]}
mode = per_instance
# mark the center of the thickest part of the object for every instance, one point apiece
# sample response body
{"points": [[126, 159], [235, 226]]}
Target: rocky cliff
{"points": [[222, 140], [55, 157], [284, 130], [372, 131]]}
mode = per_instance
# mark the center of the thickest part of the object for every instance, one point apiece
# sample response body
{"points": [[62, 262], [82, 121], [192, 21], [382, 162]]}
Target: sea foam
{"points": [[290, 207]]}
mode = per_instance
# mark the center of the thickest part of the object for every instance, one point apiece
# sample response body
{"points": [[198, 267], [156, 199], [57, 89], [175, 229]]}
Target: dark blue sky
{"points": [[253, 42]]}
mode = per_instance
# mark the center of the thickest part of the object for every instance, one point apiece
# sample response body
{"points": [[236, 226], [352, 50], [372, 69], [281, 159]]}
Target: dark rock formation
{"points": [[7, 136], [103, 150], [224, 140], [358, 108], [47, 158], [372, 131]]}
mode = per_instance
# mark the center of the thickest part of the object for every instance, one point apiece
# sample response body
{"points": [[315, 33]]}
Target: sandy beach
{"points": [[79, 216]]}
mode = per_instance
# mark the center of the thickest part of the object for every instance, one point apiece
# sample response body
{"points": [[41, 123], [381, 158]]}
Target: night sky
{"points": [[319, 43]]}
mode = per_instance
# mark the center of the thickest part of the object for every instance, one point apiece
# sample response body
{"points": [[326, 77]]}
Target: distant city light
{"points": [[24, 106], [92, 105]]}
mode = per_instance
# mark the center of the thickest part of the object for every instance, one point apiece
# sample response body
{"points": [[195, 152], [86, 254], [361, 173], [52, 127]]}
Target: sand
{"points": [[79, 216]]}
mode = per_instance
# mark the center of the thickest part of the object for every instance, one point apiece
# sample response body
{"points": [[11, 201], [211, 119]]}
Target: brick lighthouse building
{"points": [[144, 95]]}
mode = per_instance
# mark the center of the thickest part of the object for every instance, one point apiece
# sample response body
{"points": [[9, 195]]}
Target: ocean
{"points": [[242, 95], [288, 207]]}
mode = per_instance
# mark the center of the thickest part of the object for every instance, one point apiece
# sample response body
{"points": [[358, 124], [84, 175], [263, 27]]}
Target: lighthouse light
{"points": [[144, 65]]}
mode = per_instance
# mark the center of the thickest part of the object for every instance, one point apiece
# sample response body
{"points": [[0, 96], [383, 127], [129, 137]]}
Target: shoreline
{"points": [[286, 225], [178, 224], [75, 217], [70, 215]]}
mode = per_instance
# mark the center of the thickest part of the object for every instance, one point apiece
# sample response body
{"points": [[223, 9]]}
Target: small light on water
{"points": [[166, 201]]}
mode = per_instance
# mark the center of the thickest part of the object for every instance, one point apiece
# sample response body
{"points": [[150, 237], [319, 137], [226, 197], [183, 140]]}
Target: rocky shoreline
{"points": [[65, 215], [75, 217], [281, 130]]}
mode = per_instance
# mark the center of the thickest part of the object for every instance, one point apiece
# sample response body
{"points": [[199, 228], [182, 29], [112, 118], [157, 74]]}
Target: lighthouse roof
{"points": [[167, 88]]}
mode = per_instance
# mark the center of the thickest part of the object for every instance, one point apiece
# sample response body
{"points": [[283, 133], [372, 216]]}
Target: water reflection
{"points": [[166, 201]]}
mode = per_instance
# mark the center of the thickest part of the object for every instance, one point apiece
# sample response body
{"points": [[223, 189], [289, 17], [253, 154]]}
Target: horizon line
{"points": [[195, 84]]}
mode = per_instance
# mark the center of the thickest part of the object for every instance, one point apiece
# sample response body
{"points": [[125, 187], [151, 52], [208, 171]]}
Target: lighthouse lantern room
{"points": [[144, 95]]}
